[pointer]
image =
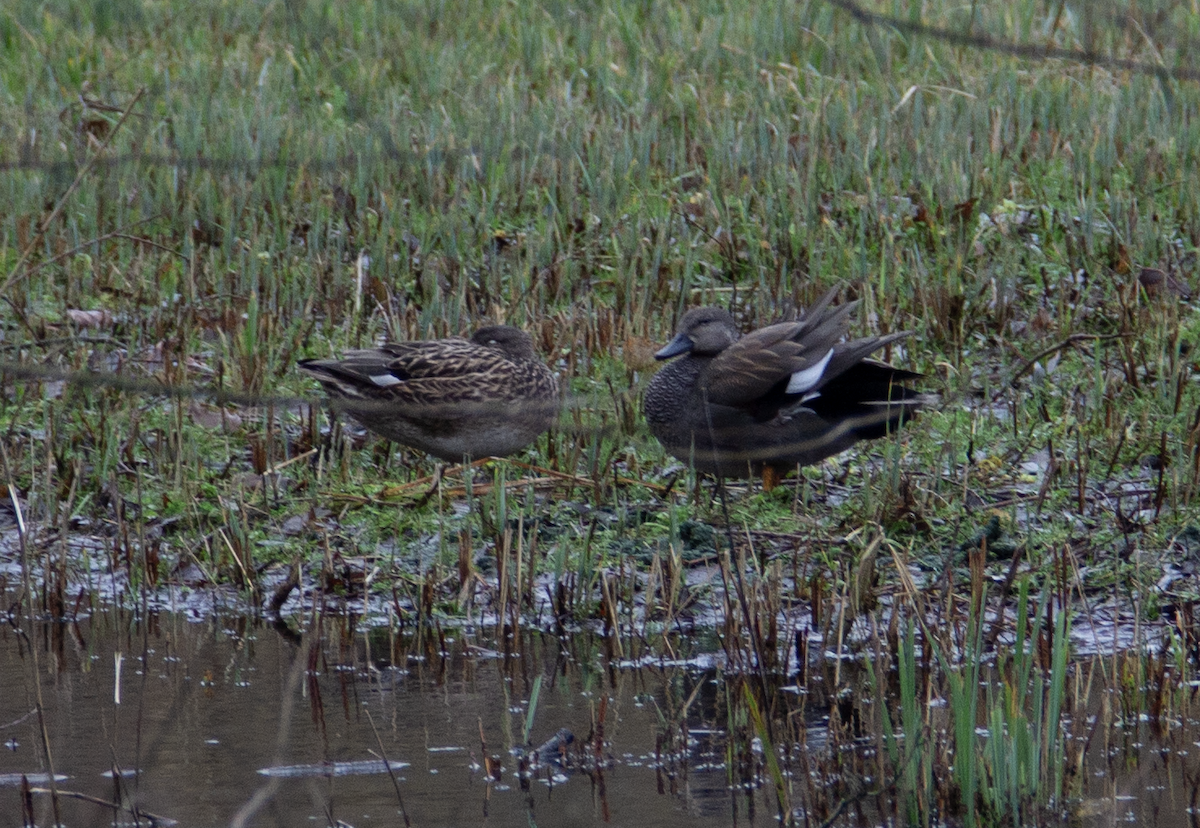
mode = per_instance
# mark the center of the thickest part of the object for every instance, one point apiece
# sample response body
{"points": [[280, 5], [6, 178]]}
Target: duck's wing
{"points": [[430, 373], [796, 354], [846, 355]]}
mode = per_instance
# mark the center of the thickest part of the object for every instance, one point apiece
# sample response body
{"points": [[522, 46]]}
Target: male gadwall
{"points": [[786, 395]]}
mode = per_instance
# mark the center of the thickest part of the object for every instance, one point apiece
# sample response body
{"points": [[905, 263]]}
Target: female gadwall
{"points": [[490, 396]]}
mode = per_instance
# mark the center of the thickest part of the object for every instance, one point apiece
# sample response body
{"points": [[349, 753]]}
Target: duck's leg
{"points": [[770, 478], [436, 486]]}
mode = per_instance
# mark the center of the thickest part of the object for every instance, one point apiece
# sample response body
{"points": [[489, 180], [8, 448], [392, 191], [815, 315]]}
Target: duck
{"points": [[787, 395], [489, 396]]}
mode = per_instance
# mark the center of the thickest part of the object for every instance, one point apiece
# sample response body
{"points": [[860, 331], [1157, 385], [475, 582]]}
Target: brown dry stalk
{"points": [[62, 201]]}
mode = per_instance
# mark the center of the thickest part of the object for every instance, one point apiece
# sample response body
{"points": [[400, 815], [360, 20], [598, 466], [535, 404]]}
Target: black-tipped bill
{"points": [[681, 344]]}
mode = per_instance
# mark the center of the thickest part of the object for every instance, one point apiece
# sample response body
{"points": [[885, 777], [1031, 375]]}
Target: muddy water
{"points": [[211, 705], [216, 720]]}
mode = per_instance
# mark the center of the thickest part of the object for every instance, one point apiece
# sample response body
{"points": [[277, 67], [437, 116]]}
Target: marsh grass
{"points": [[260, 183]]}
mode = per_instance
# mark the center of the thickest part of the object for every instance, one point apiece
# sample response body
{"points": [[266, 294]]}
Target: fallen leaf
{"points": [[90, 318], [964, 210], [1156, 282]]}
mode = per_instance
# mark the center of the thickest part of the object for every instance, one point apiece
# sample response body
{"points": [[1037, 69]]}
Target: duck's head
{"points": [[513, 342], [704, 331]]}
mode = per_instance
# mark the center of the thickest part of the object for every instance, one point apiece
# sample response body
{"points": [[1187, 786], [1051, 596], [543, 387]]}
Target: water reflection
{"points": [[204, 707], [235, 721]]}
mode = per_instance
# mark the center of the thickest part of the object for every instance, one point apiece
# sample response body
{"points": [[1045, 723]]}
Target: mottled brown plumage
{"points": [[789, 394], [453, 398]]}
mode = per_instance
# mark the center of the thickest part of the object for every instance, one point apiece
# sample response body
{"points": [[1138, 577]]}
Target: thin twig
{"points": [[28, 615], [41, 231], [1018, 50], [387, 764], [1069, 342], [116, 234], [155, 819]]}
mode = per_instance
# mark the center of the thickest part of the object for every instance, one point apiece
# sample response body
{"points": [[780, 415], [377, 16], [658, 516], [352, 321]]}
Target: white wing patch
{"points": [[806, 378], [386, 380]]}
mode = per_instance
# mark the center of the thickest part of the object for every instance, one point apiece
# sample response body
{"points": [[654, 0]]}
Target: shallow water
{"points": [[234, 721], [214, 705]]}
